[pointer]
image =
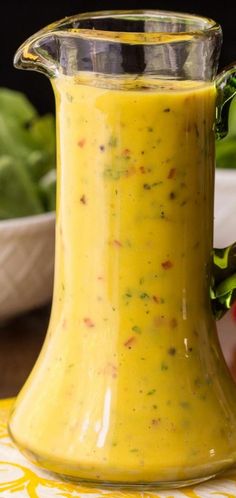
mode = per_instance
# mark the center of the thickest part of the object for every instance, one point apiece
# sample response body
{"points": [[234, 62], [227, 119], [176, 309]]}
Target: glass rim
{"points": [[204, 26]]}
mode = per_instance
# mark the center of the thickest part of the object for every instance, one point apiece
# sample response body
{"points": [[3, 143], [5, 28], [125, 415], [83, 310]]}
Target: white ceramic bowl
{"points": [[26, 263], [225, 207]]}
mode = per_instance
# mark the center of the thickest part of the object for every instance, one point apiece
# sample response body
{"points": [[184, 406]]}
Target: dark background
{"points": [[19, 20]]}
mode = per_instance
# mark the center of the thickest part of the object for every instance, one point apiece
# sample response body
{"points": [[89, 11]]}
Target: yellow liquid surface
{"points": [[131, 385]]}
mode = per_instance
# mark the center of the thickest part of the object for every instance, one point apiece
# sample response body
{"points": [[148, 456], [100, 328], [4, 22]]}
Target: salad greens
{"points": [[27, 157], [226, 148]]}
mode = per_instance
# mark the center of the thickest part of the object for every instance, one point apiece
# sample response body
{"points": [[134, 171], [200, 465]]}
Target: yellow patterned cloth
{"points": [[20, 479]]}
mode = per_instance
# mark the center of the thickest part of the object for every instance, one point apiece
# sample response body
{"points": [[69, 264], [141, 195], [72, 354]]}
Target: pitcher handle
{"points": [[223, 285]]}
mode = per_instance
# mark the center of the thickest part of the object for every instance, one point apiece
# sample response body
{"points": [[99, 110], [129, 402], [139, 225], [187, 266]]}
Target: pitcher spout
{"points": [[40, 52]]}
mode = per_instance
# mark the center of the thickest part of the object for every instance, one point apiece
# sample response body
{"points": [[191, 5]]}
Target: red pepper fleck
{"points": [[110, 369], [130, 171], [171, 173], [156, 299], [173, 323], [88, 322], [129, 343], [167, 264], [144, 170], [83, 199], [126, 152], [81, 142], [156, 421], [117, 243]]}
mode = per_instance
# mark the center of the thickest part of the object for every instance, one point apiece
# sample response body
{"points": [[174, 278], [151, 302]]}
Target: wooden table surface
{"points": [[21, 340]]}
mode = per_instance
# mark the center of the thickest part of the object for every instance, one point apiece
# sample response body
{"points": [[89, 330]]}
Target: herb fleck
{"points": [[112, 173], [149, 393], [164, 366], [144, 295], [69, 97], [147, 186], [184, 404], [112, 141], [136, 329], [128, 294]]}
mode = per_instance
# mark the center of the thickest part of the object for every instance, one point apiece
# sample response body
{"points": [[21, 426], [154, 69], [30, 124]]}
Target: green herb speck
{"points": [[128, 294], [164, 366], [69, 97], [112, 173], [136, 329], [112, 141], [184, 404], [144, 295], [149, 393], [147, 186]]}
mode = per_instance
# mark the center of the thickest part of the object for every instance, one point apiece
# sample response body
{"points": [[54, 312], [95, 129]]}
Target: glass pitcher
{"points": [[131, 388]]}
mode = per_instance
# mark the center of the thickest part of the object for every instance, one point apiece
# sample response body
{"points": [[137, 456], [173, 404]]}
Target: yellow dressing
{"points": [[131, 385]]}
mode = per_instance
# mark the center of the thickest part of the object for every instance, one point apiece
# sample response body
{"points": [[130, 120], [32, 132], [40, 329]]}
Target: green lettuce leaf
{"points": [[27, 154]]}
